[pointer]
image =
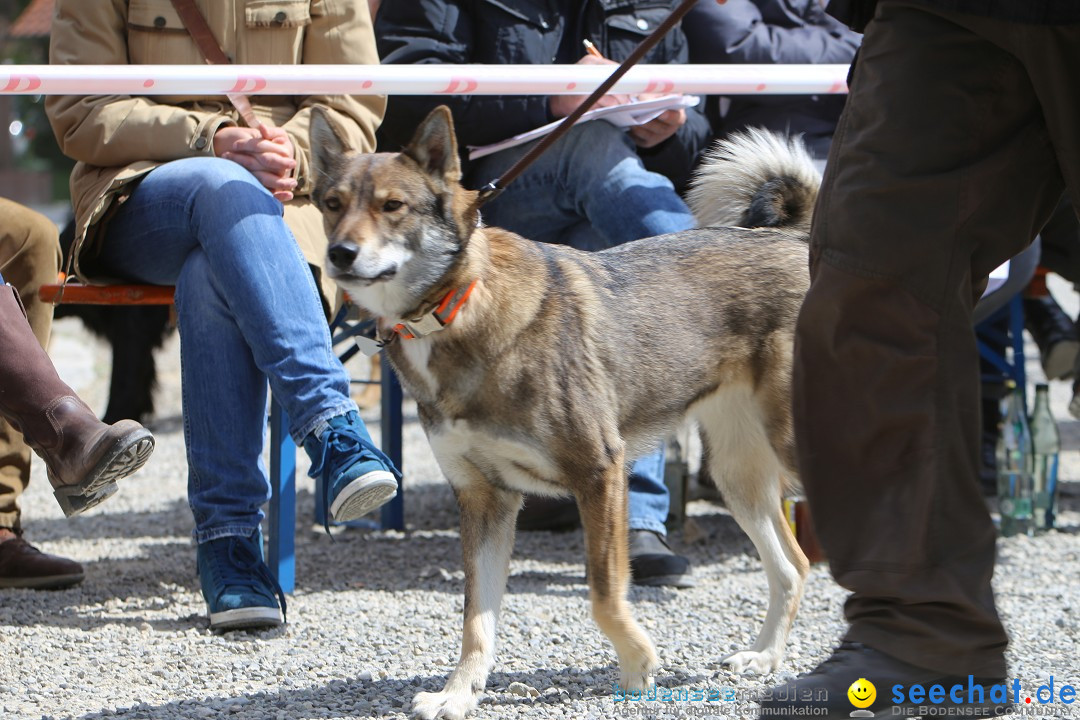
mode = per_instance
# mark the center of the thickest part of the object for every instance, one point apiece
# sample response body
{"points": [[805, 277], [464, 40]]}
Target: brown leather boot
{"points": [[24, 566], [84, 456]]}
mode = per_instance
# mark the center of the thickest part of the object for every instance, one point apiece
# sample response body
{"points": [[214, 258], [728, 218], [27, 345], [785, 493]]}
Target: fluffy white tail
{"points": [[755, 178]]}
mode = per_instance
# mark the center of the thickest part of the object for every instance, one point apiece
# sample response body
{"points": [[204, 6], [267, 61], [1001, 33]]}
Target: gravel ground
{"points": [[376, 615]]}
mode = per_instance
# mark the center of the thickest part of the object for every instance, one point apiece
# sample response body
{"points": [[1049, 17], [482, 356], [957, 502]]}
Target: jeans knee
{"points": [[218, 182], [601, 140], [605, 157], [222, 192]]}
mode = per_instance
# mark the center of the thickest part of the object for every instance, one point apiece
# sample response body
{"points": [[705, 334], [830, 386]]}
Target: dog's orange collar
{"points": [[438, 318]]}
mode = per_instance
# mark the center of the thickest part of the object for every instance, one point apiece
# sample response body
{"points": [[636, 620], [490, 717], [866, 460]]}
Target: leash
{"points": [[494, 188]]}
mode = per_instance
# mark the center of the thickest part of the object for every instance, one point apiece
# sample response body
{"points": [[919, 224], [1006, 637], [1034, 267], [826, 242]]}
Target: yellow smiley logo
{"points": [[862, 693]]}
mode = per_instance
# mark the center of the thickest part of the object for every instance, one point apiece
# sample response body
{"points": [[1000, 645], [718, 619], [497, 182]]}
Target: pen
{"points": [[590, 48]]}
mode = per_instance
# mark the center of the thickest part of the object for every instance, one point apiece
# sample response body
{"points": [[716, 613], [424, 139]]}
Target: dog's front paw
{"points": [[638, 675], [451, 706], [752, 662], [634, 681], [638, 662]]}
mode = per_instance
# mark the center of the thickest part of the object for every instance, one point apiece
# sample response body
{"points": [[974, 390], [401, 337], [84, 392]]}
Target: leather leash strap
{"points": [[200, 32], [494, 188]]}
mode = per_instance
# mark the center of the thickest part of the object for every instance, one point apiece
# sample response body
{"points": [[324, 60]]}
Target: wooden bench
{"points": [[282, 510]]}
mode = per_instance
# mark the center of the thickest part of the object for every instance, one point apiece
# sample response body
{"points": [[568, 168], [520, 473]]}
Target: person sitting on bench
{"points": [[184, 191]]}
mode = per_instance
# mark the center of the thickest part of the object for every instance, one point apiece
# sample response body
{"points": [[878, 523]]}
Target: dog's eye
{"points": [[392, 205], [332, 204]]}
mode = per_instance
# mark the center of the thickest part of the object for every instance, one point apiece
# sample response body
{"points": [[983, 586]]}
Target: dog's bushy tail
{"points": [[755, 178]]}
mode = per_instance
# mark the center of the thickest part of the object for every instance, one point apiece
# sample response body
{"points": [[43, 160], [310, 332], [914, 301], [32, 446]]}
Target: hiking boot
{"points": [[240, 591], [84, 456], [24, 566], [653, 563], [1055, 334], [858, 681], [356, 476]]}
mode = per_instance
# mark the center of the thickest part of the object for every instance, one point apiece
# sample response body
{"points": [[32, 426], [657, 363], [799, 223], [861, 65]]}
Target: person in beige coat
{"points": [[181, 191]]}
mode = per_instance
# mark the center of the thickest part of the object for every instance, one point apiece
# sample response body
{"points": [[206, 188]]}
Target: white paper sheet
{"points": [[638, 112]]}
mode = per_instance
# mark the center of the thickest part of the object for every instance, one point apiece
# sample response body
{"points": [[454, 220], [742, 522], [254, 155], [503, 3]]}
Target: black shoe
{"points": [[858, 681], [556, 514], [1054, 333], [653, 563]]}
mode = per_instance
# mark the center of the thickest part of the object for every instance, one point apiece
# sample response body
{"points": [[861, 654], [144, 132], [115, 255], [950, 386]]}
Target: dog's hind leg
{"points": [[603, 506], [748, 472], [488, 515]]}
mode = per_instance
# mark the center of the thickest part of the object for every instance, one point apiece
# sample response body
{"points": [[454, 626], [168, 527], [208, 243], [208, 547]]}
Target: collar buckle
{"points": [[438, 318]]}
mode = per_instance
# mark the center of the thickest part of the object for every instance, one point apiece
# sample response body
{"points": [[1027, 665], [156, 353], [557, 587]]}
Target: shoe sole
{"points": [[249, 618], [125, 457], [363, 495], [1061, 360], [676, 581], [52, 582]]}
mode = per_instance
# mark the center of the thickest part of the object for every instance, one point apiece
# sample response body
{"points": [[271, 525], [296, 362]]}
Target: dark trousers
{"points": [[959, 137]]}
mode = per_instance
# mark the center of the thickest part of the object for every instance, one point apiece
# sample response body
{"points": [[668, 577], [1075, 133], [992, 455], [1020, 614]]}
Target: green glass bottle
{"points": [[1015, 466], [1046, 448]]}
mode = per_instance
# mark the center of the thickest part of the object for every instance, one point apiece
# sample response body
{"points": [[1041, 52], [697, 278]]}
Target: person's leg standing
{"points": [[590, 191], [29, 258], [247, 310], [941, 170]]}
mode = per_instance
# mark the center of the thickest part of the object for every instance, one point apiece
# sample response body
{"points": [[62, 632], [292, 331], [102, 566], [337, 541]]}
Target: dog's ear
{"points": [[434, 147], [327, 150]]}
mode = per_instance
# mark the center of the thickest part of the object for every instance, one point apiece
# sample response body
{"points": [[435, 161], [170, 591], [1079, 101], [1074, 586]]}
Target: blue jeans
{"points": [[248, 312], [590, 191]]}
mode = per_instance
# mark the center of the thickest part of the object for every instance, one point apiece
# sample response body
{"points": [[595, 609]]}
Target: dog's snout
{"points": [[342, 255]]}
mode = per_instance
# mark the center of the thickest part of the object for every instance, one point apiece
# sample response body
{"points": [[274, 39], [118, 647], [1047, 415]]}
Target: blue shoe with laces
{"points": [[356, 476], [240, 591]]}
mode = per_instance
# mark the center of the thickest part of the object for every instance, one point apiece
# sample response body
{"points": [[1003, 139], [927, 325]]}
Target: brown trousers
{"points": [[29, 257], [959, 137]]}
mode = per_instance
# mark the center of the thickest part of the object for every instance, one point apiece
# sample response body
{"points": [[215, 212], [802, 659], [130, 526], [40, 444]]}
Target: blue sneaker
{"points": [[240, 591], [356, 476]]}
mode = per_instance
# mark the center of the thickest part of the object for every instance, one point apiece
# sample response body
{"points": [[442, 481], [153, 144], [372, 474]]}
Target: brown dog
{"points": [[537, 368]]}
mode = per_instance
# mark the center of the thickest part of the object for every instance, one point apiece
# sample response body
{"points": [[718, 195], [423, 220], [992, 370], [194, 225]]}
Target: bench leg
{"points": [[283, 500]]}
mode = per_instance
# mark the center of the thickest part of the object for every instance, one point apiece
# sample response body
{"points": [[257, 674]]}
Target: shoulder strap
{"points": [[200, 32]]}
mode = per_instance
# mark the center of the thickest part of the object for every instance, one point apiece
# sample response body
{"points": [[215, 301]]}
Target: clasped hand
{"points": [[266, 152]]}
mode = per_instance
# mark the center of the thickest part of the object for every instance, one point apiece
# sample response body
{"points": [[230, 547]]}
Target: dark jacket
{"points": [[766, 32], [524, 32], [857, 13]]}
